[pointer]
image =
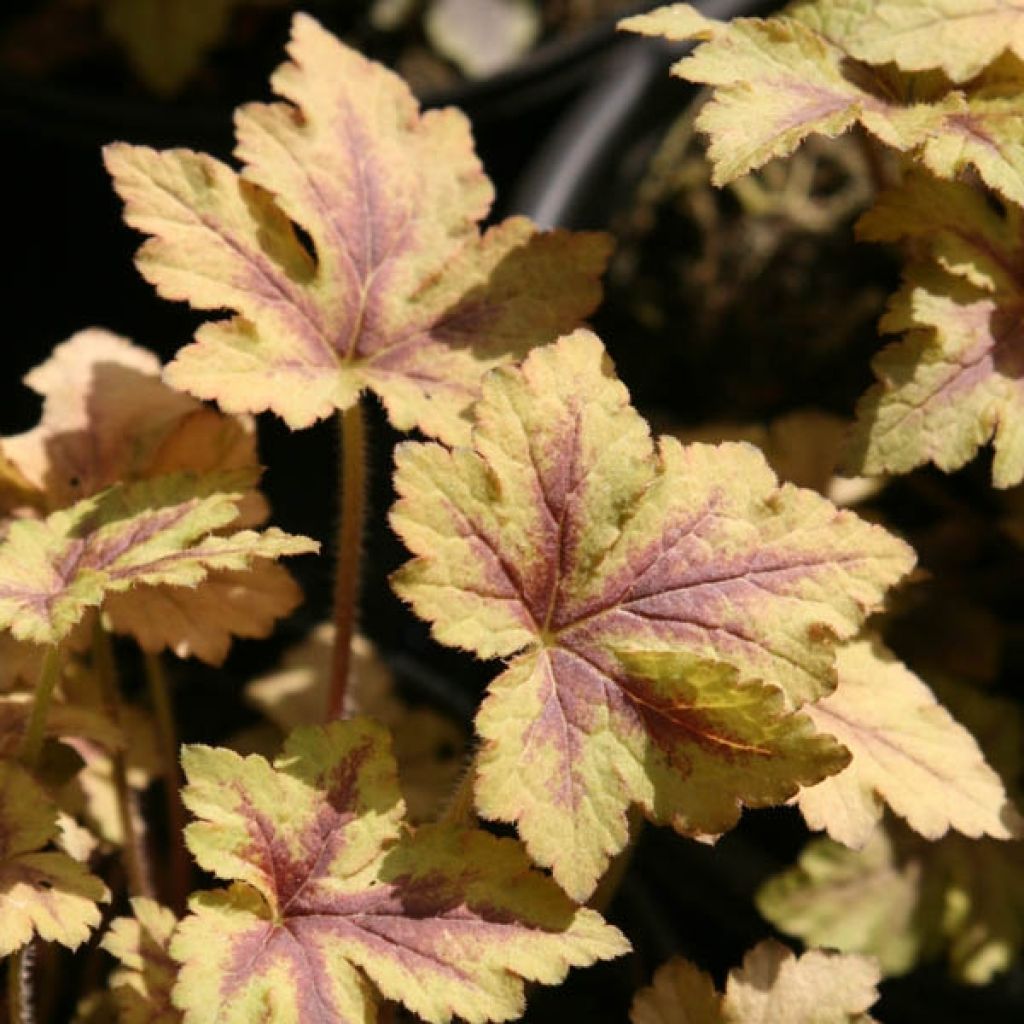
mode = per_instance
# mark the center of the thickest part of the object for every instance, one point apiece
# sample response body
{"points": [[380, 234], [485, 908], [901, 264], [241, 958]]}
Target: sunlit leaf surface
{"points": [[334, 900], [642, 591]]}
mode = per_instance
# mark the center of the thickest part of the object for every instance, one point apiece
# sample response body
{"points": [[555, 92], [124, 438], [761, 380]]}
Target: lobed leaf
{"points": [[42, 892], [428, 748], [953, 382], [962, 37], [635, 588], [397, 291], [804, 447], [777, 80], [160, 531], [903, 901], [333, 898], [142, 983], [108, 418], [908, 753], [772, 985]]}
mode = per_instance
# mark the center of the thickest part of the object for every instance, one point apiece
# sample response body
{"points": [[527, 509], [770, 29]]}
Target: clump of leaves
{"points": [[823, 67], [942, 86], [683, 634]]}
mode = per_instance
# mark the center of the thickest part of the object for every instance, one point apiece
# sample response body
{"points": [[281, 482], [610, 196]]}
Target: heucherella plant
{"points": [[646, 593], [952, 111], [940, 86], [396, 291], [683, 624]]}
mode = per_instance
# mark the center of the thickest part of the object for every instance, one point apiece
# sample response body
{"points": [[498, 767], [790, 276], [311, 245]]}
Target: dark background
{"points": [[68, 265]]}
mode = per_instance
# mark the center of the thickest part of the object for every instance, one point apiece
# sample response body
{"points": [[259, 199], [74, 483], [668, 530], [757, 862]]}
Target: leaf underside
{"points": [[108, 419]]}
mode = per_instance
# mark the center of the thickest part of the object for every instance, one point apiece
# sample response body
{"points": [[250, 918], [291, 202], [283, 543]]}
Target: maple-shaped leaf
{"points": [[954, 381], [904, 900], [804, 447], [106, 414], [399, 293], [142, 983], [108, 418], [961, 37], [42, 892], [333, 897], [908, 753], [635, 585], [772, 985], [777, 80], [428, 747], [160, 531]]}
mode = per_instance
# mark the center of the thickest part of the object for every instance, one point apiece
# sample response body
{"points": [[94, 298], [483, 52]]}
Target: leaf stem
{"points": [[132, 851], [461, 807], [19, 968], [167, 736], [35, 731], [352, 502], [19, 986]]}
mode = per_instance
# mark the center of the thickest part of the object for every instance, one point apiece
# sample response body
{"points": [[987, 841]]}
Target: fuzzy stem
{"points": [[132, 853], [352, 501], [19, 986], [167, 735], [461, 807], [35, 731]]}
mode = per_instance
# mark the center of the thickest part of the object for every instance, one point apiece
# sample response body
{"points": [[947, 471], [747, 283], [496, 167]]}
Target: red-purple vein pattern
{"points": [[642, 591], [391, 285], [956, 379], [334, 899], [158, 531]]}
